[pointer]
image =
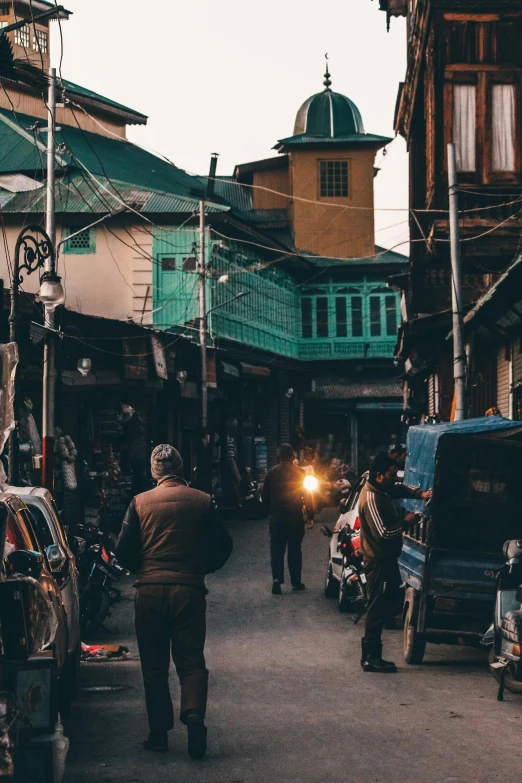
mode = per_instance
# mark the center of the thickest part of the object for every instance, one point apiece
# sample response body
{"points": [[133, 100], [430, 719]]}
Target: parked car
{"points": [[21, 536], [349, 516], [61, 562]]}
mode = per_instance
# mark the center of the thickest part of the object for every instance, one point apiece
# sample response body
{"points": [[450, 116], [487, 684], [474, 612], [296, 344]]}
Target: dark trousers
{"points": [[283, 536], [170, 619], [383, 583]]}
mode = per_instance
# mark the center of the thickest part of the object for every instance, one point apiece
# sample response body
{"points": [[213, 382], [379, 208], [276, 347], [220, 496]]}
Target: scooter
{"points": [[504, 637], [352, 590], [99, 572]]}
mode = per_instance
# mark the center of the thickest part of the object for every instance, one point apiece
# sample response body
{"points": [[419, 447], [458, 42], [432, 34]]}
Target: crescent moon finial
{"points": [[327, 82]]}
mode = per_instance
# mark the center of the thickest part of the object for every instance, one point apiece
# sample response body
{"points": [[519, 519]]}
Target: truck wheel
{"points": [[331, 585], [414, 642]]}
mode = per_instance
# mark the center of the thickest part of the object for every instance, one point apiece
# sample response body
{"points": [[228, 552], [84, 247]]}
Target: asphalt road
{"points": [[289, 702]]}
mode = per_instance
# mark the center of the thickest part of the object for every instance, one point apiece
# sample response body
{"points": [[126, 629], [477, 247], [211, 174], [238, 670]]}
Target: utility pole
{"points": [[202, 275], [48, 364], [459, 354]]}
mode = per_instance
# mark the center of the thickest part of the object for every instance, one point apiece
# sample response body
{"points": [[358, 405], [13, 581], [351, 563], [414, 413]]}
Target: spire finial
{"points": [[327, 82]]}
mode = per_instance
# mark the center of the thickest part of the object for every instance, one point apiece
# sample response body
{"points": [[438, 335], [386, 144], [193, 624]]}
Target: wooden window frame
{"points": [[326, 161], [484, 77]]}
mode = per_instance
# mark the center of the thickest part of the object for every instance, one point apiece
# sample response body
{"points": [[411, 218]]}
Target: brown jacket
{"points": [[381, 526], [170, 536]]}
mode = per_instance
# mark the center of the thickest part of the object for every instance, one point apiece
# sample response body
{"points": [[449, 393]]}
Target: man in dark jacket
{"points": [[171, 538], [381, 545], [285, 499]]}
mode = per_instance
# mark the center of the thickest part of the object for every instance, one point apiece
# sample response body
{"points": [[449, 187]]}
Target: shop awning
{"points": [[255, 369], [357, 391], [230, 369]]}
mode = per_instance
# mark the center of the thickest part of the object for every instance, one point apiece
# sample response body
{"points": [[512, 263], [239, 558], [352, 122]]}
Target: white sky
{"points": [[228, 76]]}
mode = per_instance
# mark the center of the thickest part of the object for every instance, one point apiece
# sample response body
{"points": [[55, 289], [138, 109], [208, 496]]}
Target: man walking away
{"points": [[285, 499], [381, 545], [171, 538]]}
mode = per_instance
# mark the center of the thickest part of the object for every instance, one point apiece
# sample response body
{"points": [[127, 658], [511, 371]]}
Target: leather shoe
{"points": [[197, 735], [158, 741], [372, 660]]}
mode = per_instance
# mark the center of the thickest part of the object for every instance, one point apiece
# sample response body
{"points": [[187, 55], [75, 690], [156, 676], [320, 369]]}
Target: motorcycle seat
{"points": [[512, 626]]}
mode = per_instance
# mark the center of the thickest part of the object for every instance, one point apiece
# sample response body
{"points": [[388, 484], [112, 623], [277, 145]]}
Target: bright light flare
{"points": [[311, 483]]}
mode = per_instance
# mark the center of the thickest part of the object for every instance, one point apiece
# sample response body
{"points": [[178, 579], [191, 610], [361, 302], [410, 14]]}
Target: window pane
{"points": [[375, 316], [190, 264], [503, 132], [340, 316], [322, 316], [357, 319], [306, 317], [391, 315], [464, 126], [333, 178], [168, 264]]}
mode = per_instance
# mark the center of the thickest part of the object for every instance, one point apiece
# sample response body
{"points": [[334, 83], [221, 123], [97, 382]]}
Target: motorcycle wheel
{"points": [[510, 681], [345, 602], [94, 611], [331, 585]]}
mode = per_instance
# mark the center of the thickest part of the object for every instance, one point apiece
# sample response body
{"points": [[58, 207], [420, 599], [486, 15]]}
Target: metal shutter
{"points": [[503, 381]]}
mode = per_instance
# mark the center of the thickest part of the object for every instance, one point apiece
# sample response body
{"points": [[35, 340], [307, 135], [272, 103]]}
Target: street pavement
{"points": [[289, 702]]}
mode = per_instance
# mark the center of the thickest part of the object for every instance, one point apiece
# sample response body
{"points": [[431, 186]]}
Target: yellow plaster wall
{"points": [[331, 230], [276, 179]]}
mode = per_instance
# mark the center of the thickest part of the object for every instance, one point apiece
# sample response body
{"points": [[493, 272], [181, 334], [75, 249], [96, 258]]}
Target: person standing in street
{"points": [[171, 538], [381, 545], [286, 501]]}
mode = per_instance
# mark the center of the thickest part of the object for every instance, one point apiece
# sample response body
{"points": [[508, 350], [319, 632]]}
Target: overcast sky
{"points": [[228, 76]]}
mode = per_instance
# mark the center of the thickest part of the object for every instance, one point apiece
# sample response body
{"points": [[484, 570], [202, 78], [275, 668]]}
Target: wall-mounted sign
{"points": [[158, 353]]}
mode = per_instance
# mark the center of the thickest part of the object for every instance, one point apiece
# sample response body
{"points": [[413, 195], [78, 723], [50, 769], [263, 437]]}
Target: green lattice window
{"points": [[83, 242]]}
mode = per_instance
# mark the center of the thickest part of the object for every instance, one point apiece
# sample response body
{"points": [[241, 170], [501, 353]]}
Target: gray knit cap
{"points": [[165, 461]]}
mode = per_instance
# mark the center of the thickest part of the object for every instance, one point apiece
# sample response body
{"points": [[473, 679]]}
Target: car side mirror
{"points": [[25, 562], [56, 557]]}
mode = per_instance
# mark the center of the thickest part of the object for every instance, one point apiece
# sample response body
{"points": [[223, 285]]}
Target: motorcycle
{"points": [[352, 588], [504, 636], [99, 572]]}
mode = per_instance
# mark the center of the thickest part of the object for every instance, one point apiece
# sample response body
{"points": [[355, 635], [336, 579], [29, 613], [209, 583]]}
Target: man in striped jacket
{"points": [[381, 544]]}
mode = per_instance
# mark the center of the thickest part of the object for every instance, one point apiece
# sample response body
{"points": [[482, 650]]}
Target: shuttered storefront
{"points": [[516, 354], [503, 379]]}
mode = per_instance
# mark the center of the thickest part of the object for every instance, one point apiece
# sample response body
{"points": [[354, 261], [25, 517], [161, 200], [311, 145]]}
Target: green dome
{"points": [[328, 114]]}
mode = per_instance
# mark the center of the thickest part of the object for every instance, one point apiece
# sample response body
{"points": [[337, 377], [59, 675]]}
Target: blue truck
{"points": [[451, 558]]}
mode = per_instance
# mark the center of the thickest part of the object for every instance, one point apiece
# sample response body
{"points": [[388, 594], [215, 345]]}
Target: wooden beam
{"points": [[453, 17], [477, 67]]}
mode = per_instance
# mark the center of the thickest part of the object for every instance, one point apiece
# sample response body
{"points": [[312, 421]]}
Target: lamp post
{"points": [[34, 250]]}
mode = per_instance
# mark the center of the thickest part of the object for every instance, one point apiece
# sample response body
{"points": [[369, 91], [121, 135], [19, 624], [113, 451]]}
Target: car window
{"points": [[40, 525], [355, 497], [17, 535]]}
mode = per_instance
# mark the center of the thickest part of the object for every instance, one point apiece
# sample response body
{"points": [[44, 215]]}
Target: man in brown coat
{"points": [[171, 538]]}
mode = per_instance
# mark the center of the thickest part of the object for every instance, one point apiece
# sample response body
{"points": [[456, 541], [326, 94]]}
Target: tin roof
{"points": [[22, 151], [347, 139], [357, 391], [90, 97]]}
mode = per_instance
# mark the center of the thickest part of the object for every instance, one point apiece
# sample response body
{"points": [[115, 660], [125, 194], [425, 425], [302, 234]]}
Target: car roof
{"points": [[38, 492]]}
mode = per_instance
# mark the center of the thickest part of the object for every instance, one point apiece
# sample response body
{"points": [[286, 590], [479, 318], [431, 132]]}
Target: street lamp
{"points": [[34, 250]]}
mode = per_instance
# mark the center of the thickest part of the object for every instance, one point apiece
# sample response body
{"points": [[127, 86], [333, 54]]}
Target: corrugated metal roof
{"points": [[381, 257], [238, 196], [121, 161], [357, 391], [83, 92], [351, 138], [19, 183], [76, 194]]}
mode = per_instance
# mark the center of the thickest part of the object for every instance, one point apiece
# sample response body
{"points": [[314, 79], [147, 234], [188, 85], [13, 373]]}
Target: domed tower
{"points": [[331, 162]]}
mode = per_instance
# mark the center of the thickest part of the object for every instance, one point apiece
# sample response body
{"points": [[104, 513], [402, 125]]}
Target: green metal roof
{"points": [[78, 194], [328, 114], [348, 139], [83, 92], [381, 258], [121, 161]]}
